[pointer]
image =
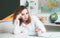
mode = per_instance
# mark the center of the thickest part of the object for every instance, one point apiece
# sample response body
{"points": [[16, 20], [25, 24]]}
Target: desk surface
{"points": [[51, 24], [46, 35]]}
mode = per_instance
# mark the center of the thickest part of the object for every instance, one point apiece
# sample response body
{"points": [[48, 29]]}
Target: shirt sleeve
{"points": [[16, 28], [39, 24]]}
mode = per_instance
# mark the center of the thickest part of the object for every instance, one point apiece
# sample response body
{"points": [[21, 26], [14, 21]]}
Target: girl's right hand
{"points": [[18, 16]]}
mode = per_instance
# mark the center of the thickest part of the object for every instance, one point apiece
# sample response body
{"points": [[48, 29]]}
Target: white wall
{"points": [[22, 2]]}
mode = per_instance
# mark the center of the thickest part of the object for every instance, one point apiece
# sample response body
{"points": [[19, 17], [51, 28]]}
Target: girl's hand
{"points": [[18, 16], [38, 31]]}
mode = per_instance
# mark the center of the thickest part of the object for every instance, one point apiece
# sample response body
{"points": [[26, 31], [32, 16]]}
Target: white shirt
{"points": [[29, 29]]}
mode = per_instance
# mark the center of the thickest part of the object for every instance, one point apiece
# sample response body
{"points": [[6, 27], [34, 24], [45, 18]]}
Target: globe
{"points": [[53, 17]]}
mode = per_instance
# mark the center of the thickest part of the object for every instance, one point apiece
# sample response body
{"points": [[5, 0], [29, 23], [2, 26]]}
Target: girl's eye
{"points": [[26, 13], [22, 14]]}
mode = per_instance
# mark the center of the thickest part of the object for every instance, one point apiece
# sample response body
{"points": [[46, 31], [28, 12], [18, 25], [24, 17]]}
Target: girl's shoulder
{"points": [[33, 17]]}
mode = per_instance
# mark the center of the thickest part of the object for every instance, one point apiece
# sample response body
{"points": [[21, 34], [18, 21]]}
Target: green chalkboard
{"points": [[7, 7]]}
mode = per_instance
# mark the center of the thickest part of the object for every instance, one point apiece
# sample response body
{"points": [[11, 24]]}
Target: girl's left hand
{"points": [[38, 31]]}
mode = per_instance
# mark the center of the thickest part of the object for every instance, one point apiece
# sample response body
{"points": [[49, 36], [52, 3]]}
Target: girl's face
{"points": [[23, 15]]}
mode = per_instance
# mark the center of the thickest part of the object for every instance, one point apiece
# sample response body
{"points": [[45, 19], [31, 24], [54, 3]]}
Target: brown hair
{"points": [[18, 11]]}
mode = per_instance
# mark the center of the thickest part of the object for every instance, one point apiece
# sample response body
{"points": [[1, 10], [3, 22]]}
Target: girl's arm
{"points": [[16, 28], [39, 26], [19, 30]]}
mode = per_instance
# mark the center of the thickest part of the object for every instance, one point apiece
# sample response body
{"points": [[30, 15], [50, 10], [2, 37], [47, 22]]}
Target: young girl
{"points": [[27, 24]]}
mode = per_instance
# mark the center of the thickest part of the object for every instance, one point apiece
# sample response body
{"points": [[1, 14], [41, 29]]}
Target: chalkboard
{"points": [[7, 7]]}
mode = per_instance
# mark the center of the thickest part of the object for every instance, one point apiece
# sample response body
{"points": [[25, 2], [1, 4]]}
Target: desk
{"points": [[52, 27], [51, 24], [47, 35]]}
